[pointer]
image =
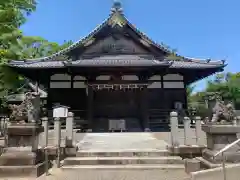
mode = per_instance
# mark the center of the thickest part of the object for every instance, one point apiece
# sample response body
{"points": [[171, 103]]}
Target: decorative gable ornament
{"points": [[117, 20], [117, 7]]}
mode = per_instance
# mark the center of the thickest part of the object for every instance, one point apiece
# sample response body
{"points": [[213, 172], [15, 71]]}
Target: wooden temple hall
{"points": [[117, 77]]}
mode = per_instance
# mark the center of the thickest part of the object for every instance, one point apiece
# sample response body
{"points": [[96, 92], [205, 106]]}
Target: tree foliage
{"points": [[12, 15], [15, 46], [227, 85]]}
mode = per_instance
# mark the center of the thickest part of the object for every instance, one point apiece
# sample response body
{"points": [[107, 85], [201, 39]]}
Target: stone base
{"points": [[218, 136], [192, 165], [18, 158], [186, 151], [230, 157], [22, 171]]}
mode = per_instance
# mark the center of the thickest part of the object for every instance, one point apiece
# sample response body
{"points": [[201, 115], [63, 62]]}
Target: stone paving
{"points": [[120, 142], [132, 142], [57, 174]]}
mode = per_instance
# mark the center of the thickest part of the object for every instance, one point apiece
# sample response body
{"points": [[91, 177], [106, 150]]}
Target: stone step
{"points": [[22, 171], [127, 173], [123, 153], [164, 167], [122, 160]]}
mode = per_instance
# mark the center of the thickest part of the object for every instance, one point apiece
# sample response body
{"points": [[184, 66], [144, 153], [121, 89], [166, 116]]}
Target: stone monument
{"points": [[22, 156], [221, 131]]}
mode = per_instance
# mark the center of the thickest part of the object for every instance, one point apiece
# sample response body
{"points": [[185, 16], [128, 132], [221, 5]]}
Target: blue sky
{"points": [[196, 28]]}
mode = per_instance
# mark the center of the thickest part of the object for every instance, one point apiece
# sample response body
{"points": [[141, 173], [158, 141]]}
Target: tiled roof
{"points": [[200, 64], [118, 61], [93, 63], [51, 62], [121, 60], [37, 64], [97, 29]]}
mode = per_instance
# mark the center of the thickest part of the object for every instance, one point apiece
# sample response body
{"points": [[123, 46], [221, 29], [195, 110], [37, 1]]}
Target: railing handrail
{"points": [[227, 147]]}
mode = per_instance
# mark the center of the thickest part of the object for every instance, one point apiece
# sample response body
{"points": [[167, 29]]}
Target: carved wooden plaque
{"points": [[115, 46]]}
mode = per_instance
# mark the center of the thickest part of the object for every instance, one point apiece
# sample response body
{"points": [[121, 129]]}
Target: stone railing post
{"points": [[2, 126], [234, 121], [57, 130], [45, 133], [6, 123], [238, 121], [198, 129], [69, 129], [174, 128], [45, 142], [187, 130]]}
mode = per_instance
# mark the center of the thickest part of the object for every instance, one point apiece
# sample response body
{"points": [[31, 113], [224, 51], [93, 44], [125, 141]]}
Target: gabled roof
{"points": [[116, 18]]}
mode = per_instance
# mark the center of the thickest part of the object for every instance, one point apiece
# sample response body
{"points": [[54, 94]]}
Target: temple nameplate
{"points": [[113, 46]]}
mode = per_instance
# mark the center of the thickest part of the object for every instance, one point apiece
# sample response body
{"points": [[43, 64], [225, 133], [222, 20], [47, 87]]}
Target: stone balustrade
{"points": [[175, 133]]}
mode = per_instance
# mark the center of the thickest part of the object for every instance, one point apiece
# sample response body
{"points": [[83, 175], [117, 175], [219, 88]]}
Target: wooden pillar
{"points": [[90, 108], [144, 105]]}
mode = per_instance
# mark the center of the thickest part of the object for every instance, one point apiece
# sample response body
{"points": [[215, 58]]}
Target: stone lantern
{"points": [[22, 155]]}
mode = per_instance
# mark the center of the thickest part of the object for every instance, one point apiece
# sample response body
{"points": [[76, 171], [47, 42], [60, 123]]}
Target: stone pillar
{"points": [[238, 120], [57, 131], [69, 129], [144, 108], [45, 132], [235, 121], [90, 108], [198, 129], [187, 129], [2, 122], [174, 128], [2, 126]]}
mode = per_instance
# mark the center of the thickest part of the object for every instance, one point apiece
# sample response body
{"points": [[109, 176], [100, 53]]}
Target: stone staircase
{"points": [[124, 152]]}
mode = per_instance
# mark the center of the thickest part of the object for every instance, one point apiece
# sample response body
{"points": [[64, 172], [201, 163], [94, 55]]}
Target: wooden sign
{"points": [[115, 46]]}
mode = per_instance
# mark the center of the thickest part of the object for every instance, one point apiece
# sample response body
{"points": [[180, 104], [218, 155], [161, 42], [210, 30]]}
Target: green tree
{"points": [[227, 85], [12, 15], [15, 46], [36, 47], [190, 90]]}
